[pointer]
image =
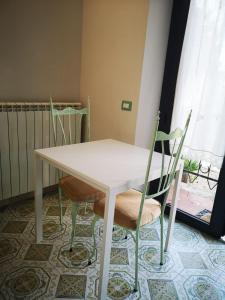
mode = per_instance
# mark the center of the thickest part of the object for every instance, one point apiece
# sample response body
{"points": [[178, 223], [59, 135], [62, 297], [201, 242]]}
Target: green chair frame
{"points": [[57, 116], [176, 138]]}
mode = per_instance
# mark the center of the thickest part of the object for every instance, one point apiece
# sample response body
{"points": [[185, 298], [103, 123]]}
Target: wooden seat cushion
{"points": [[127, 209], [79, 191]]}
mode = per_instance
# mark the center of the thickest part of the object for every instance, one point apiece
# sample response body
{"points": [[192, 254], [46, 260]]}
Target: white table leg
{"points": [[38, 198], [173, 208], [107, 241]]}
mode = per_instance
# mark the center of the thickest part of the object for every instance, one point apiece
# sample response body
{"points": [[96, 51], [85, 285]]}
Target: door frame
{"points": [[179, 17]]}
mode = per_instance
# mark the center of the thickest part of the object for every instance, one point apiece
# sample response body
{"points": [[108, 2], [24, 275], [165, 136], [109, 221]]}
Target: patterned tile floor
{"points": [[194, 268]]}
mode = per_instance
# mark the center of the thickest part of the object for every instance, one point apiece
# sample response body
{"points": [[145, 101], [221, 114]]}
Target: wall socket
{"points": [[126, 105]]}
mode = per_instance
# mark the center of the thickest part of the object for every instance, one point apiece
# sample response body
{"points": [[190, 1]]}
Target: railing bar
{"points": [[211, 187], [202, 176]]}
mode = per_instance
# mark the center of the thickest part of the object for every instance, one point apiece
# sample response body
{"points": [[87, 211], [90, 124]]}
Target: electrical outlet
{"points": [[126, 105]]}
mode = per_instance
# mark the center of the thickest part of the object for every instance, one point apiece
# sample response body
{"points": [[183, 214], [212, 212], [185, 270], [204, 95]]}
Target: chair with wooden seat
{"points": [[134, 209], [76, 190]]}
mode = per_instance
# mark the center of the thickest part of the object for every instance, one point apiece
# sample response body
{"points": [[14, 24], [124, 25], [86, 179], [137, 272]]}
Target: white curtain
{"points": [[201, 82]]}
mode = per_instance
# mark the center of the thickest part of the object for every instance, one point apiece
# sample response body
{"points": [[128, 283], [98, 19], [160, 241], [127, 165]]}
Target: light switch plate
{"points": [[126, 105]]}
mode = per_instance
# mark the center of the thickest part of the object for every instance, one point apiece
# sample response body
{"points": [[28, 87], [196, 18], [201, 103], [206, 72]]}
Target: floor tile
{"points": [[162, 289], [79, 256], [38, 252], [9, 248], [53, 211], [203, 287], [15, 227], [83, 230], [192, 260], [119, 256], [25, 283], [71, 286], [149, 234]]}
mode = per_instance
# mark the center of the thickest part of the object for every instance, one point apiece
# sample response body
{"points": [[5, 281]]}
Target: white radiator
{"points": [[23, 128]]}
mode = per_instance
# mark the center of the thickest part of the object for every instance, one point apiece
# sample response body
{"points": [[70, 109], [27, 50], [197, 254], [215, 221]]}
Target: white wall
{"points": [[153, 69]]}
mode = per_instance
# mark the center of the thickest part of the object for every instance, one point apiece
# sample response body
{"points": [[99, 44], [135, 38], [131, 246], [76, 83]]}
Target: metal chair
{"points": [[76, 190], [135, 209]]}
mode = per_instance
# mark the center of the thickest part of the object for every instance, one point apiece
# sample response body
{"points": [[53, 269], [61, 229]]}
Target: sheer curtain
{"points": [[201, 82]]}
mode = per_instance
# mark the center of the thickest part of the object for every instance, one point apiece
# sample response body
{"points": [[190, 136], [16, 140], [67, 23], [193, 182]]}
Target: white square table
{"points": [[110, 166]]}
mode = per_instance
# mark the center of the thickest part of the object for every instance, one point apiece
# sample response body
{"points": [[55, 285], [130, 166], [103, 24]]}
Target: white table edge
{"points": [[70, 171]]}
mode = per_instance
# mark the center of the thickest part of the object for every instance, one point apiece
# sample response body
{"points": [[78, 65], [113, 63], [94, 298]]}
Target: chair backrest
{"points": [[63, 117], [168, 166]]}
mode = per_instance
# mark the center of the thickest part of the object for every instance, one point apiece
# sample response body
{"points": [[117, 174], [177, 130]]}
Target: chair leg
{"points": [[74, 216], [94, 239], [161, 239], [60, 205], [136, 261]]}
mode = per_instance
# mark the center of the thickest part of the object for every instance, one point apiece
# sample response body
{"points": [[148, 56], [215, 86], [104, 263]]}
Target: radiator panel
{"points": [[29, 142], [5, 157], [14, 164], [23, 128]]}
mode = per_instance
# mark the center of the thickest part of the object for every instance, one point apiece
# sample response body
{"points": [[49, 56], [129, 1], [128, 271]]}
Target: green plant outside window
{"points": [[190, 165]]}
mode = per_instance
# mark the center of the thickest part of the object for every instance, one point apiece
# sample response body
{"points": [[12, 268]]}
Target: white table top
{"points": [[106, 164]]}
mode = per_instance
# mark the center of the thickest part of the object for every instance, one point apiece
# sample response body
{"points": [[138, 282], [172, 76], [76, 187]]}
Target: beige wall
{"points": [[40, 48], [113, 40]]}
